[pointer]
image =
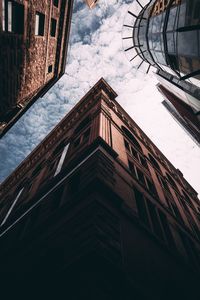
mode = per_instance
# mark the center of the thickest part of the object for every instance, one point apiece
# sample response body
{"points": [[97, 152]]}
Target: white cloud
{"points": [[96, 51]]}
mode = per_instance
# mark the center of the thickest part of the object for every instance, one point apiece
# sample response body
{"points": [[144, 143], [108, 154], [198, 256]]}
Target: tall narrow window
{"points": [[61, 161], [39, 24], [12, 17], [141, 206], [53, 27], [50, 68], [12, 206], [55, 3], [155, 220]]}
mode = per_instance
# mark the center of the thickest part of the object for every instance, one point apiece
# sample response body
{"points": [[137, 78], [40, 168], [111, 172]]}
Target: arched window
{"points": [[154, 162], [132, 138], [171, 180]]}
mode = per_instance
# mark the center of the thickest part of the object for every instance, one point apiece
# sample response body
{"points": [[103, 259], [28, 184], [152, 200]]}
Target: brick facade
{"points": [[31, 62], [97, 204]]}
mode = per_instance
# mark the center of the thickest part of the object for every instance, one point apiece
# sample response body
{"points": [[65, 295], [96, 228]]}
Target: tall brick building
{"points": [[34, 39], [96, 211]]}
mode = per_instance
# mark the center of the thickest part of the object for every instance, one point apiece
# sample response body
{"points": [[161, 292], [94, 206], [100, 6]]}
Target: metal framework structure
{"points": [[139, 40]]}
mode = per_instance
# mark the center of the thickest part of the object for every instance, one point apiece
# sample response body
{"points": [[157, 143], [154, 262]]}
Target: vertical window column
{"points": [[61, 161]]}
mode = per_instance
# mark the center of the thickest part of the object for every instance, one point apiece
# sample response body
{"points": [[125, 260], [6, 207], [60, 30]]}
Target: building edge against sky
{"points": [[33, 53], [95, 195], [164, 35]]}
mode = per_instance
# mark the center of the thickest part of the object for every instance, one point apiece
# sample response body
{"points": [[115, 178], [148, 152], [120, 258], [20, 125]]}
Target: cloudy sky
{"points": [[96, 51]]}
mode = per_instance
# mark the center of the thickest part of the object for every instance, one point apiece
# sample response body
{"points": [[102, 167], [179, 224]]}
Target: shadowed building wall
{"points": [[96, 211]]}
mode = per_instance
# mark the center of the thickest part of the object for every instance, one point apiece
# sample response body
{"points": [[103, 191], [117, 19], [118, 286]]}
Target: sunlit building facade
{"points": [[96, 211]]}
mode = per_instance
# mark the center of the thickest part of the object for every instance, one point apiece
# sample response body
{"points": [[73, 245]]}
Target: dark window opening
{"points": [[154, 162], [59, 148], [82, 125], [50, 68], [171, 180], [141, 206], [55, 3], [53, 27], [37, 170], [141, 177], [132, 138], [164, 184], [176, 211], [77, 142], [143, 162], [151, 187], [127, 145], [86, 135], [13, 17], [132, 169], [39, 24], [187, 198], [167, 230], [134, 153], [155, 220]]}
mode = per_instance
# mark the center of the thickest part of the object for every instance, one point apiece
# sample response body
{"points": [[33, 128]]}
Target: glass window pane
{"points": [[170, 42], [188, 43], [172, 18], [182, 11]]}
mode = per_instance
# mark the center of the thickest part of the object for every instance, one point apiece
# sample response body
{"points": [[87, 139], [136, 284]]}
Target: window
{"points": [[12, 206], [141, 206], [53, 27], [132, 168], [37, 170], [82, 124], [174, 210], [58, 148], [86, 135], [12, 17], [187, 199], [55, 3], [151, 187], [77, 142], [164, 184], [155, 220], [141, 177], [131, 137], [154, 162], [50, 68], [135, 154], [166, 229], [39, 24], [127, 145], [171, 180], [61, 161]]}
